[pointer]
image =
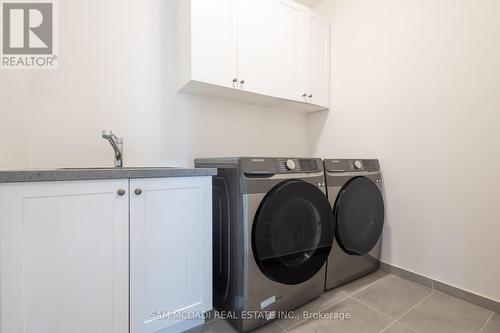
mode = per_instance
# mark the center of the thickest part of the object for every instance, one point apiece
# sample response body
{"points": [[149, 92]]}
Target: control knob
{"points": [[290, 165], [358, 165]]}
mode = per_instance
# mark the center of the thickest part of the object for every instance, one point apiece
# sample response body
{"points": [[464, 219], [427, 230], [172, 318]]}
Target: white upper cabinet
{"points": [[214, 41], [289, 50], [269, 52], [255, 53], [318, 61]]}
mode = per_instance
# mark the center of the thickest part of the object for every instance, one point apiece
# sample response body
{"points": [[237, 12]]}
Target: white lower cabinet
{"points": [[64, 255], [170, 251]]}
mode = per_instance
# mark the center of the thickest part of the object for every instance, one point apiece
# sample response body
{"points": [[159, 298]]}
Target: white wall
{"points": [[118, 70], [417, 85], [14, 97]]}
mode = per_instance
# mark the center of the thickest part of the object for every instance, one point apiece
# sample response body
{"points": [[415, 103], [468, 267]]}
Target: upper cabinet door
{"points": [[214, 41], [289, 55], [170, 251], [64, 257], [318, 61], [254, 45]]}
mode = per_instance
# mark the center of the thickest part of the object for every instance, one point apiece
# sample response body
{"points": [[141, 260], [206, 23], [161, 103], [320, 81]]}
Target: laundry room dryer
{"points": [[354, 189], [272, 233]]}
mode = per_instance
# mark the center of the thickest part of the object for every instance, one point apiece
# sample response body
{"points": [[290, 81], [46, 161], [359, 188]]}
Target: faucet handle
{"points": [[108, 134]]}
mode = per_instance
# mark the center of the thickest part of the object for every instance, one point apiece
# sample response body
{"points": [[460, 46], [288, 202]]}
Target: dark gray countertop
{"points": [[18, 176]]}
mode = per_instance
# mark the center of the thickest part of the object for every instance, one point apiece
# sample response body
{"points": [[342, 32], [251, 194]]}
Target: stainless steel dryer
{"points": [[354, 189], [273, 230]]}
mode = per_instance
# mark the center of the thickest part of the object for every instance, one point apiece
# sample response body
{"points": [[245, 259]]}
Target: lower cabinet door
{"points": [[170, 251], [64, 257]]}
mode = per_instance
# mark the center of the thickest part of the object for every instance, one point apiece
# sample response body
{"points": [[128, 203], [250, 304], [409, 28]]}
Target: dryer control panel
{"points": [[270, 166], [351, 165]]}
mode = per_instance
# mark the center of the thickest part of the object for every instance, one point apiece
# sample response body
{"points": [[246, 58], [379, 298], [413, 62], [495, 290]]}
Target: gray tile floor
{"points": [[381, 303]]}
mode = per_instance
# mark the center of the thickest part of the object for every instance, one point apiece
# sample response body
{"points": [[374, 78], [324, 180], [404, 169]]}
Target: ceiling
{"points": [[308, 3]]}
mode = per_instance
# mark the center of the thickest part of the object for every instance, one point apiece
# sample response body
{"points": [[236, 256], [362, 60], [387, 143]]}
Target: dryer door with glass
{"points": [[359, 216], [293, 231]]}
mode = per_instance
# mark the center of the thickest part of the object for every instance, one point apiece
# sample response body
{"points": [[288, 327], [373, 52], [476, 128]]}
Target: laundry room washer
{"points": [[355, 192], [273, 231]]}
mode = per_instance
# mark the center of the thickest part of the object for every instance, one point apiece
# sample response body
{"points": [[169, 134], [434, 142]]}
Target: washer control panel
{"points": [[309, 165], [352, 165], [299, 165], [260, 166]]}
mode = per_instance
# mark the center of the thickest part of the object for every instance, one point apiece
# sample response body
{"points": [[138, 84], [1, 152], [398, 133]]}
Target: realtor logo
{"points": [[28, 34]]}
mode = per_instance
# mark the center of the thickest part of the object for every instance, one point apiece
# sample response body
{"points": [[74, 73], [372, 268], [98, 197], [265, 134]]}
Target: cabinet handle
{"points": [[235, 80], [138, 191], [311, 96], [305, 95], [121, 192]]}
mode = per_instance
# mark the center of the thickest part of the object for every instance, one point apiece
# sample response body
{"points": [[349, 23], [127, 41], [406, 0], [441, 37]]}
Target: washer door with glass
{"points": [[293, 231], [359, 216]]}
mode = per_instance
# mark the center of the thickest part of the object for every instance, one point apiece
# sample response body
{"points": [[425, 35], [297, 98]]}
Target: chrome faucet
{"points": [[117, 144]]}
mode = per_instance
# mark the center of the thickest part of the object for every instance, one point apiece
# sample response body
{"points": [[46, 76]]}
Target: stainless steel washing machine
{"points": [[354, 189], [273, 231]]}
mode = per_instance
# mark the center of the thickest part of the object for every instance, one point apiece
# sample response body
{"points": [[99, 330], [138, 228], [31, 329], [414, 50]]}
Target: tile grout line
{"points": [[335, 303], [408, 327], [397, 322], [384, 329], [486, 323], [413, 307], [372, 308], [369, 285], [383, 314], [404, 314]]}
